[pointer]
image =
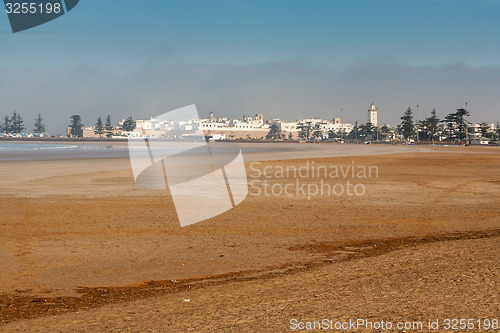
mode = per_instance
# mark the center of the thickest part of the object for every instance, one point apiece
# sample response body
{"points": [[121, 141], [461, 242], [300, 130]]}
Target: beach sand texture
{"points": [[77, 235]]}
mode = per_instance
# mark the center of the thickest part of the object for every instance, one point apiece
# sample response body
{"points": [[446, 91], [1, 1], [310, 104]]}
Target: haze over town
{"points": [[271, 61]]}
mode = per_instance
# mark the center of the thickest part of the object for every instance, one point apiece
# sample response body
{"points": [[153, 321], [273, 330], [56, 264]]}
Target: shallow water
{"points": [[48, 151], [34, 151]]}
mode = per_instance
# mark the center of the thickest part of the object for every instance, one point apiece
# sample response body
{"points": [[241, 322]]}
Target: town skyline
{"points": [[212, 115], [454, 127]]}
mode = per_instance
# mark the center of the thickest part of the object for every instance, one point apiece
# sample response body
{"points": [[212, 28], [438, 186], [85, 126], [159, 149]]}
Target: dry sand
{"points": [[445, 280], [76, 235]]}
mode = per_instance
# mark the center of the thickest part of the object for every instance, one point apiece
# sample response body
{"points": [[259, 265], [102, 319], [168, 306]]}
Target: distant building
{"points": [[89, 132], [287, 126], [480, 141], [230, 129], [373, 115]]}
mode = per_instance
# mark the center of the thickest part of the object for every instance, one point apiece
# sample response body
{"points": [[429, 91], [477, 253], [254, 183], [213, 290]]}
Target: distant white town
{"points": [[455, 127]]}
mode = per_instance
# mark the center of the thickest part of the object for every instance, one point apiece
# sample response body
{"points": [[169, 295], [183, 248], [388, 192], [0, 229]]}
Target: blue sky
{"points": [[143, 57]]}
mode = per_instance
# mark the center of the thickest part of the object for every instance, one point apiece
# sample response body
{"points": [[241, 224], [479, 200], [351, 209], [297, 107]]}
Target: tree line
{"points": [[454, 127], [106, 129], [306, 131], [15, 124]]}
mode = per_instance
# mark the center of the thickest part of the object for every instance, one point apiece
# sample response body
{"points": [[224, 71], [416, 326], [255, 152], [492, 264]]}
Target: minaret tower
{"points": [[373, 115]]}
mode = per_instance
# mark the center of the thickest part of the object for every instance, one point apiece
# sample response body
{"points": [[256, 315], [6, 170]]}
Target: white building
{"points": [[287, 126], [224, 128], [480, 141]]}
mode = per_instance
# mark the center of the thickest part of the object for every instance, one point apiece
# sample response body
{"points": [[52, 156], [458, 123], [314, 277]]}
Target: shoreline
{"points": [[61, 140], [251, 151], [240, 141]]}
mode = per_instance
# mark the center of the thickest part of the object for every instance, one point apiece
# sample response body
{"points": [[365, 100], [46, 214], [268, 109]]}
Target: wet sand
{"points": [[74, 232]]}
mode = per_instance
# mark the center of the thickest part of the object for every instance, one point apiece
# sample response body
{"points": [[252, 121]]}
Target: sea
{"points": [[20, 151]]}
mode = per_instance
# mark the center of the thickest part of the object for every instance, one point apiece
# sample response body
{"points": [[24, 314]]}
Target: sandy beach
{"points": [[80, 243]]}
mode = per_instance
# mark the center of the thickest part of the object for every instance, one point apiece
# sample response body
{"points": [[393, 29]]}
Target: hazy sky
{"points": [[287, 59]]}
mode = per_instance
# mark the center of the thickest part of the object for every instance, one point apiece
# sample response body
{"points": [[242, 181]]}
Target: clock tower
{"points": [[373, 114]]}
